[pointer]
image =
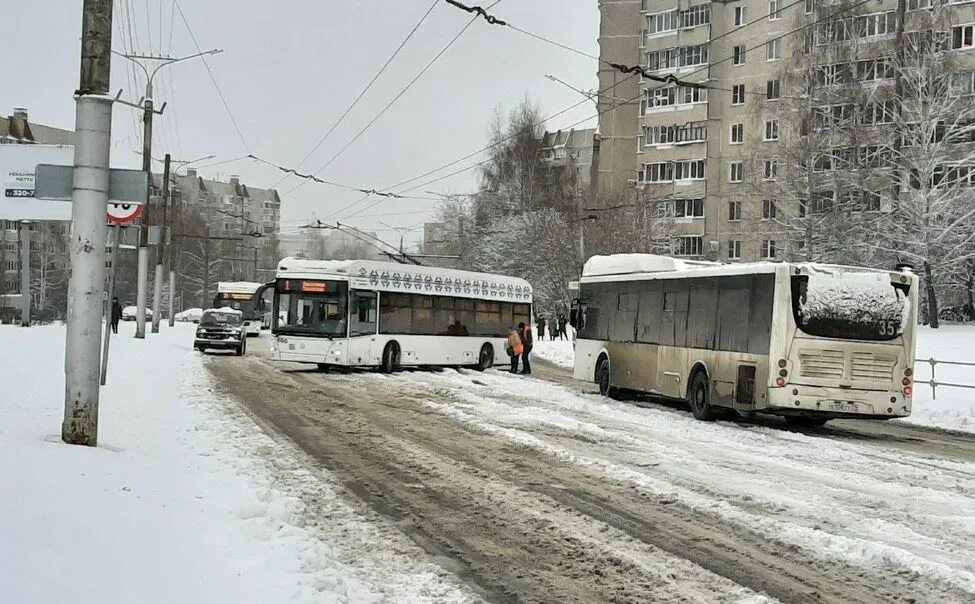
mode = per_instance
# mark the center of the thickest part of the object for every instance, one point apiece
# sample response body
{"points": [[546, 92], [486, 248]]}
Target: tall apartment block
{"points": [[699, 153]]}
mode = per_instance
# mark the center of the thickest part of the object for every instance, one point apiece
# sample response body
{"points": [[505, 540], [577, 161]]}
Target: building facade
{"points": [[575, 152], [712, 153]]}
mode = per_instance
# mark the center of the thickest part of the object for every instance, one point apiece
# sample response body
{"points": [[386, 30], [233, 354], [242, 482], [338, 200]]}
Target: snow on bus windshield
{"points": [[849, 305]]}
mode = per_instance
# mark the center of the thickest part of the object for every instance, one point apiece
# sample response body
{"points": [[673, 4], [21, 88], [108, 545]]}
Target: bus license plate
{"points": [[846, 406]]}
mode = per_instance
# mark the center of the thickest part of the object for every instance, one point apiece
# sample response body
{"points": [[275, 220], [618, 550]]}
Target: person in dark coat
{"points": [[562, 322], [527, 342], [540, 325], [116, 314]]}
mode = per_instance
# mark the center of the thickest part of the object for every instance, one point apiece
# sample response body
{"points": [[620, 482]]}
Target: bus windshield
{"points": [[850, 305], [313, 308], [245, 303]]}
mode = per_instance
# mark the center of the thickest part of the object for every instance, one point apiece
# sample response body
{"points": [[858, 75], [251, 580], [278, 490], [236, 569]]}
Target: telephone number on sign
{"points": [[19, 193]]}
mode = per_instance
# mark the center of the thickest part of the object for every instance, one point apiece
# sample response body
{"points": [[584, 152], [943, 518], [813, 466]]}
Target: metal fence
{"points": [[934, 383]]}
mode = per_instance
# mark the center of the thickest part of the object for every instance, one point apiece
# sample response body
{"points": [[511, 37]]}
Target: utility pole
{"points": [[256, 280], [161, 252], [25, 272], [93, 124], [206, 269]]}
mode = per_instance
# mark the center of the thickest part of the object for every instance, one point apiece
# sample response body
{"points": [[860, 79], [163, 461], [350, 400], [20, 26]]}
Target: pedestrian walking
{"points": [[116, 314], [514, 348], [527, 341], [540, 324], [562, 322]]}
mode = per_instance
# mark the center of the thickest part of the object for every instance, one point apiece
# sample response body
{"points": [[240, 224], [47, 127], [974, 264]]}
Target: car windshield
{"points": [[220, 318], [315, 308], [850, 305]]}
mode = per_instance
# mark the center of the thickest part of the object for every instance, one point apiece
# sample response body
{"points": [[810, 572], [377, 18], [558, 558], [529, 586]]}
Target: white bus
{"points": [[244, 296], [376, 314], [809, 342]]}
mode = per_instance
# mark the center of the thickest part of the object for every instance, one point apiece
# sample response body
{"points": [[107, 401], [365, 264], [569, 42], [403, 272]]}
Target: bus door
{"points": [[363, 326]]}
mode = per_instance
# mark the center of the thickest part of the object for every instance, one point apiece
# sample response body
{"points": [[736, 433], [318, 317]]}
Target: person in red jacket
{"points": [[527, 342]]}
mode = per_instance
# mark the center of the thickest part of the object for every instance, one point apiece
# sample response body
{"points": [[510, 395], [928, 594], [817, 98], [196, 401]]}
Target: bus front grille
{"points": [[822, 364], [869, 367]]}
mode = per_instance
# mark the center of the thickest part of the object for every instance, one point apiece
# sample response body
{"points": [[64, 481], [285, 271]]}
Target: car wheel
{"points": [[699, 397], [201, 348], [485, 359]]}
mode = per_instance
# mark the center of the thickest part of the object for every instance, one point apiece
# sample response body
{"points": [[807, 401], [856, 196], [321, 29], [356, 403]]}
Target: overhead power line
{"points": [[213, 78], [379, 73], [405, 89]]}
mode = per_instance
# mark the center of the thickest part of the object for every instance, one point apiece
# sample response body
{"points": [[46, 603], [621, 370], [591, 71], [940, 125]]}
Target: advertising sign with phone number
{"points": [[17, 166]]}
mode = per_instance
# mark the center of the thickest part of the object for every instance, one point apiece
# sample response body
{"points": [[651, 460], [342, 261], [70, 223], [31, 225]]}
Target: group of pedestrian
{"points": [[555, 328], [520, 343]]}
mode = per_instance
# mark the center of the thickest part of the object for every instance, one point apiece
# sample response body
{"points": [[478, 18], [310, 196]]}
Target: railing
{"points": [[934, 383]]}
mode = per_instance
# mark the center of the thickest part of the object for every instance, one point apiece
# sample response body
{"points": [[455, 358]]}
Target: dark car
{"points": [[221, 329]]}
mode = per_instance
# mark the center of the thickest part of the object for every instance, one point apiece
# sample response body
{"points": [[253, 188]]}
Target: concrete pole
{"points": [[172, 294], [157, 304], [256, 280], [143, 270], [108, 303], [25, 273], [204, 303], [93, 137]]}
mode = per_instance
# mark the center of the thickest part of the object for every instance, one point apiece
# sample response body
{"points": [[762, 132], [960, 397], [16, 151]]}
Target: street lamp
{"points": [[148, 111]]}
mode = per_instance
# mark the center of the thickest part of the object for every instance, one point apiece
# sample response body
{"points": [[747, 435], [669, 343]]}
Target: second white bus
{"points": [[809, 342], [244, 296], [376, 314]]}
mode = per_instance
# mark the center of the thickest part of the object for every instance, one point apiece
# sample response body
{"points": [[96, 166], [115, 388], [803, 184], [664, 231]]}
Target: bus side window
{"points": [[363, 314]]}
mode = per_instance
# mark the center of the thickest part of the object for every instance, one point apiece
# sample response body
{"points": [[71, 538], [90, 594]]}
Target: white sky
{"points": [[291, 67]]}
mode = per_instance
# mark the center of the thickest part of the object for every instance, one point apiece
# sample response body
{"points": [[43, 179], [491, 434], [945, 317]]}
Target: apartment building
{"points": [[705, 153], [575, 150]]}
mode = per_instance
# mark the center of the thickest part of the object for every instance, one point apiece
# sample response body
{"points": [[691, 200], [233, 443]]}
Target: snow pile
{"points": [[184, 500], [954, 408], [853, 298], [623, 264], [558, 352]]}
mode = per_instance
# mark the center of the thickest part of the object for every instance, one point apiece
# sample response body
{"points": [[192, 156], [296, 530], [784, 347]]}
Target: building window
{"points": [[659, 135], [878, 113], [772, 90], [695, 15], [692, 132], [662, 59], [773, 50], [688, 246], [918, 4], [734, 249], [771, 130], [658, 172], [965, 81], [875, 69], [738, 55], [963, 37], [811, 5], [739, 16], [768, 249], [774, 10], [734, 211], [661, 22], [738, 94], [769, 209], [687, 95], [689, 208], [802, 208], [689, 169], [662, 97], [737, 134], [770, 169], [640, 143], [736, 171], [693, 55]]}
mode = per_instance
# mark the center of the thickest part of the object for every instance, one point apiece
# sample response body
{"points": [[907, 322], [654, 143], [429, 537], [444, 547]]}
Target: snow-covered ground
{"points": [[954, 408], [184, 500], [880, 509]]}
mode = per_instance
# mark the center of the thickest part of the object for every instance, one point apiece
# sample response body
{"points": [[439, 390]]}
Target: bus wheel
{"points": [[602, 378], [390, 358], [485, 359], [324, 367], [699, 397]]}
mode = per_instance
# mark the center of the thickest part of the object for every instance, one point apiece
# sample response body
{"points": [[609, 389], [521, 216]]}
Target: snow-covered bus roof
{"points": [[386, 276], [638, 267], [237, 287]]}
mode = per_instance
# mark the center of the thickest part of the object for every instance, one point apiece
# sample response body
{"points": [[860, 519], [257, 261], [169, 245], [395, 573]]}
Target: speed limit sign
{"points": [[124, 213]]}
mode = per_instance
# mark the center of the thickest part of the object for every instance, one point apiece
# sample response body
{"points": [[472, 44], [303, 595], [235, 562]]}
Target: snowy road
{"points": [[534, 491]]}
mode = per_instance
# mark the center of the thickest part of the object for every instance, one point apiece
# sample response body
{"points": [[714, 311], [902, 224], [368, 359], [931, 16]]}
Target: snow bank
{"points": [[184, 500], [558, 352], [954, 408]]}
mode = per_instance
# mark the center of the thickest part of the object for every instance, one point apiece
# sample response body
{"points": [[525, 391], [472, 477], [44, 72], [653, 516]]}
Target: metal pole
{"points": [[173, 258], [110, 302], [143, 270], [93, 137], [25, 273], [206, 270], [255, 265], [160, 252]]}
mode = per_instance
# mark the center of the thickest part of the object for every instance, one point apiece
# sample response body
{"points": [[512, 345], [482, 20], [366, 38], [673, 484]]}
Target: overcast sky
{"points": [[291, 67]]}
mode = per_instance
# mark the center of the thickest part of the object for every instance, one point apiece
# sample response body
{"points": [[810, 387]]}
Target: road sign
{"points": [[124, 186], [124, 213]]}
